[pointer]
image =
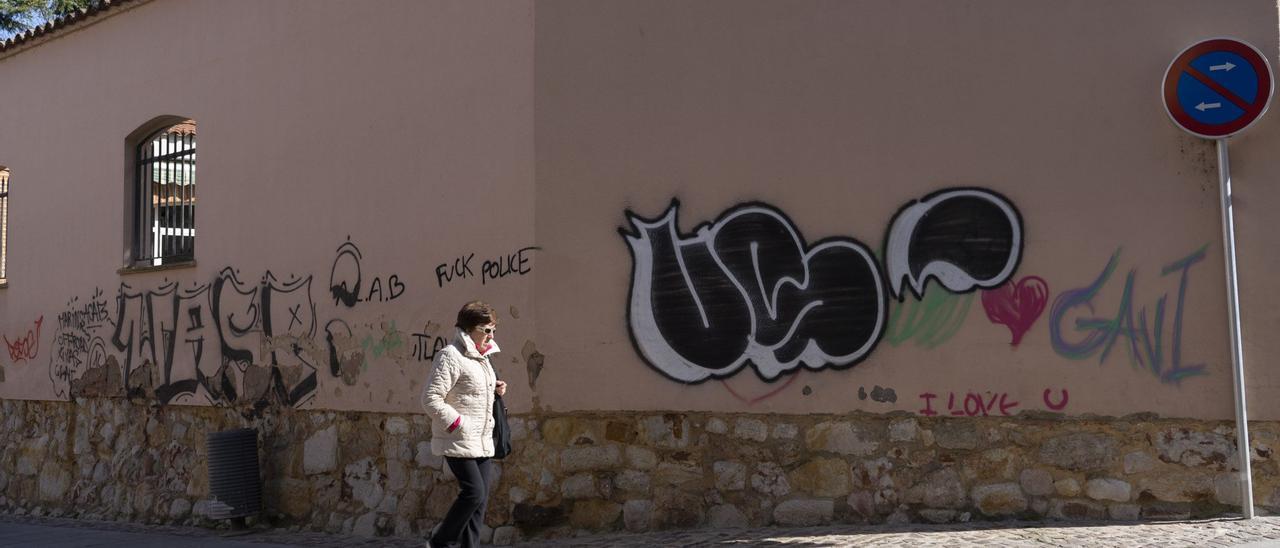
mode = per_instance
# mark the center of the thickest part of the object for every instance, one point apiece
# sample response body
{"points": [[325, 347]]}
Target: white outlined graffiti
{"points": [[964, 238], [747, 288], [204, 341]]}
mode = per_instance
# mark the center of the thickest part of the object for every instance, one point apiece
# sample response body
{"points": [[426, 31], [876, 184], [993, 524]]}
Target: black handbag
{"points": [[501, 430]]}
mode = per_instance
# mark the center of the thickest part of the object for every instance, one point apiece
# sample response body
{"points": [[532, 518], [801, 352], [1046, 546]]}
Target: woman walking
{"points": [[459, 398]]}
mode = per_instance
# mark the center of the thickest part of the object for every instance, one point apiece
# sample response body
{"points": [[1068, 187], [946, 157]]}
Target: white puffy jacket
{"points": [[461, 384]]}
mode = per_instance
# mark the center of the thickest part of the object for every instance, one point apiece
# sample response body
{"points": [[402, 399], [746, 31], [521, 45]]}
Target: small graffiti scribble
{"points": [[26, 347]]}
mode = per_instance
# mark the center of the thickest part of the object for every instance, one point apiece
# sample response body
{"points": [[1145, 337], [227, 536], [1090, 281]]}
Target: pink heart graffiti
{"points": [[1016, 305]]}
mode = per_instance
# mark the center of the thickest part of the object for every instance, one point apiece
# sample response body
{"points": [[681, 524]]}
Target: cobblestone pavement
{"points": [[1225, 532], [1260, 532]]}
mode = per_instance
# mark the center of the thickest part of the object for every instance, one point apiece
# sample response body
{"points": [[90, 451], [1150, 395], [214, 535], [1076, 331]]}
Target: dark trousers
{"points": [[462, 523]]}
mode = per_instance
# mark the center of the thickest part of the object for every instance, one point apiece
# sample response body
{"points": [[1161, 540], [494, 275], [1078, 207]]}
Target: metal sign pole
{"points": [[1237, 346], [1198, 82]]}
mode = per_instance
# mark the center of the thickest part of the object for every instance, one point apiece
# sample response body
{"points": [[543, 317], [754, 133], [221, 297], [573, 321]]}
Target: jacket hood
{"points": [[468, 346]]}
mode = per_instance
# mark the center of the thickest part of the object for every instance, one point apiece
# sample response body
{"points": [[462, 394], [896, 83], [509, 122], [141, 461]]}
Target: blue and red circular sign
{"points": [[1216, 88]]}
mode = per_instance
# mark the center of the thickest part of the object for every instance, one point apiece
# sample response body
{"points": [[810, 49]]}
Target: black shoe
{"points": [[431, 539]]}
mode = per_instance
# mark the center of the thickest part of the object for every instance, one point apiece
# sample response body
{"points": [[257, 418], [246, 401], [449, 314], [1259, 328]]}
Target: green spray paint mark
{"points": [[391, 340], [930, 321]]}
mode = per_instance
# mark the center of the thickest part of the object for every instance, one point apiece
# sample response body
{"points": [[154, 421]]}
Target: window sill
{"points": [[4, 284], [168, 266]]}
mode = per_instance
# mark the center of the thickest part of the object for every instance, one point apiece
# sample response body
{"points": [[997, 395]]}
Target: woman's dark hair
{"points": [[475, 313]]}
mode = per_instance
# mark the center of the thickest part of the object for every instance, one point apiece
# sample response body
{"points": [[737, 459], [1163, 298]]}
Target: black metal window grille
{"points": [[4, 224], [165, 223]]}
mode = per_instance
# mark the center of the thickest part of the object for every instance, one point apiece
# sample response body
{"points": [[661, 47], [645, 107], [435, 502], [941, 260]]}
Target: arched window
{"points": [[165, 196]]}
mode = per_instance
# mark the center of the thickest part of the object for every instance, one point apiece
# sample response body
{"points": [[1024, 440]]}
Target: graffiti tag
{"points": [[748, 288], [1145, 341], [27, 346]]}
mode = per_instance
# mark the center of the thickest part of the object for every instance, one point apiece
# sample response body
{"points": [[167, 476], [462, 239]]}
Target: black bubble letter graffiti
{"points": [[965, 238], [747, 289], [685, 312]]}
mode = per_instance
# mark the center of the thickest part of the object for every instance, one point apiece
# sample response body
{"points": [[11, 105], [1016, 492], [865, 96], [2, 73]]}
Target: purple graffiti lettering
{"points": [[1146, 344]]}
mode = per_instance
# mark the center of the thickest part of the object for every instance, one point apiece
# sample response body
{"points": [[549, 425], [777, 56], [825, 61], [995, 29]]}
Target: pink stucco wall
{"points": [[457, 128], [840, 113], [406, 129]]}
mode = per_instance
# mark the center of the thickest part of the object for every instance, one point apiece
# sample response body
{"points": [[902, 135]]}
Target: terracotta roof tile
{"points": [[183, 128], [61, 23]]}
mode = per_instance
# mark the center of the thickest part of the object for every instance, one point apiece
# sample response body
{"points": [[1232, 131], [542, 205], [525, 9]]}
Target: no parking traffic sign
{"points": [[1216, 88]]}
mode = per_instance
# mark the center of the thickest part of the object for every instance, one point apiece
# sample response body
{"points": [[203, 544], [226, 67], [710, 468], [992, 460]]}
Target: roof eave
{"points": [[65, 25]]}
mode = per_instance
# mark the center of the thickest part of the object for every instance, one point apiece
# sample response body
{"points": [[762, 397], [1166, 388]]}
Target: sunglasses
{"points": [[488, 330]]}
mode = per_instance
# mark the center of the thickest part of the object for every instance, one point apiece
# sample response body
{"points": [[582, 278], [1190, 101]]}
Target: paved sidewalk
{"points": [[1258, 533], [1261, 532]]}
